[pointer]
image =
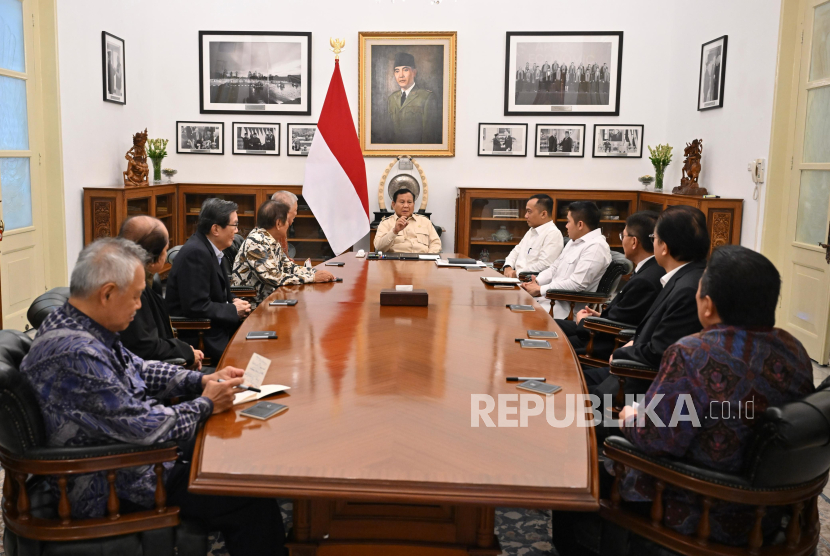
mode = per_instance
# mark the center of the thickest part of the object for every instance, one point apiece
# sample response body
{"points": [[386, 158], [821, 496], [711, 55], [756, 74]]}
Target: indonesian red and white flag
{"points": [[335, 174]]}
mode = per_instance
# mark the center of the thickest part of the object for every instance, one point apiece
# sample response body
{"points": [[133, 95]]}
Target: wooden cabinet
{"points": [[723, 216], [481, 213], [106, 207], [178, 206]]}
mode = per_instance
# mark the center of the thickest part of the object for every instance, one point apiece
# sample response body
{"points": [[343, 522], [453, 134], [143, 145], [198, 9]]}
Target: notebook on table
{"points": [[499, 280]]}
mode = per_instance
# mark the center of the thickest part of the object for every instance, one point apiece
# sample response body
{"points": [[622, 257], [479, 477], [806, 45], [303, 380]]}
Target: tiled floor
{"points": [[527, 532]]}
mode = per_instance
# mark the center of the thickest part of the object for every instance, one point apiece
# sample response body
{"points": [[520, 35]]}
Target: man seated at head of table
{"points": [[405, 231], [150, 335], [541, 244], [198, 284], [634, 300], [681, 244], [581, 263], [92, 391], [263, 264]]}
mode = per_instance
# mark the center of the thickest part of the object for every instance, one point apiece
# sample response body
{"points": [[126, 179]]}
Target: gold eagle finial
{"points": [[337, 46]]}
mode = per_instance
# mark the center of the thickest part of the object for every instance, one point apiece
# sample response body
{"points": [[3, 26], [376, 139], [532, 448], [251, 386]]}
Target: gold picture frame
{"points": [[389, 126]]}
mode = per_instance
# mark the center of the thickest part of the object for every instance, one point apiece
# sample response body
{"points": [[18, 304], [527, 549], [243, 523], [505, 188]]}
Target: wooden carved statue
{"points": [[691, 170], [137, 171]]}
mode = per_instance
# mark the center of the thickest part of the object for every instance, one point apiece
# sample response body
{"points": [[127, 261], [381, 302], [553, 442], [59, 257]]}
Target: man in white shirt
{"points": [[541, 244], [581, 264]]}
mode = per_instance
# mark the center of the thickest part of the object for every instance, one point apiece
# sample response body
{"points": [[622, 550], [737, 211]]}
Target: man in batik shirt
{"points": [[734, 369], [263, 264], [92, 391]]}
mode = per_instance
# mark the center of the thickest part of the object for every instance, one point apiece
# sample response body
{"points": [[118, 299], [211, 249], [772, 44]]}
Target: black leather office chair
{"points": [[787, 465], [39, 525], [619, 267], [44, 304], [231, 251], [172, 252]]}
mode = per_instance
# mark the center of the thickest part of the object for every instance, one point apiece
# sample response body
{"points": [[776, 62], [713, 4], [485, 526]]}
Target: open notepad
{"points": [[254, 375], [267, 390]]}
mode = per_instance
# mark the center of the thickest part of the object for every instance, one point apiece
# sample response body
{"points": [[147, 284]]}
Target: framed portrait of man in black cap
{"points": [[407, 94]]}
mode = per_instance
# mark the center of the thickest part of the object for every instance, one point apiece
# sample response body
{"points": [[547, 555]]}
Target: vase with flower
{"points": [[156, 151], [660, 158]]}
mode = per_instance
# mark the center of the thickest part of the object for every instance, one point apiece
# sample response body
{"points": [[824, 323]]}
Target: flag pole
{"points": [[337, 46]]}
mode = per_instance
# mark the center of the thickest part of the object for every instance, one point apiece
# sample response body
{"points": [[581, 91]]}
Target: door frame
{"points": [[47, 147], [775, 240]]}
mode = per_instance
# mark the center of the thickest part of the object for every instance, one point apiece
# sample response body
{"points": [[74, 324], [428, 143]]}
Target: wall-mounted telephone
{"points": [[757, 168]]}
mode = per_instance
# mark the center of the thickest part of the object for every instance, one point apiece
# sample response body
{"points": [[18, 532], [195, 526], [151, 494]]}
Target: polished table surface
{"points": [[380, 398]]}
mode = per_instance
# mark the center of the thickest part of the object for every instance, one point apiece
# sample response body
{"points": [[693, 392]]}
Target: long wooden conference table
{"points": [[377, 448]]}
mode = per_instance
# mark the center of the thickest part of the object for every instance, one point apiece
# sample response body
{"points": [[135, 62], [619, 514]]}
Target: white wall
{"points": [[97, 134], [740, 131], [661, 53]]}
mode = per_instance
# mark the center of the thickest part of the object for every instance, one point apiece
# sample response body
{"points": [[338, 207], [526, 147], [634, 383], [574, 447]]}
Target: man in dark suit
{"points": [[681, 244], [636, 297], [567, 144], [198, 285]]}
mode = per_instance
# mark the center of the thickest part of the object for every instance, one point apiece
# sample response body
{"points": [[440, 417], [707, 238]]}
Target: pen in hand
{"points": [[243, 387]]}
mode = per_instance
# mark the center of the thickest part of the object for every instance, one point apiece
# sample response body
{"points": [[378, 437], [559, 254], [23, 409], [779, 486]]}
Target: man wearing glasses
{"points": [[634, 300], [198, 285]]}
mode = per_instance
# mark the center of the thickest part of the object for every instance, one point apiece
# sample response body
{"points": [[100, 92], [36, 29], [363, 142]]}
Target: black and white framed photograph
{"points": [[502, 139], [618, 141], [555, 73], [256, 138], [560, 140], [200, 137], [114, 68], [712, 74], [298, 138], [260, 72]]}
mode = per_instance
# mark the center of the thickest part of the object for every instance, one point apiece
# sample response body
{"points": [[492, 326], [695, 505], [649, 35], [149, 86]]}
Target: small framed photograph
{"points": [[256, 138], [712, 74], [502, 139], [114, 68], [560, 140], [563, 73], [618, 141], [298, 138], [200, 137], [260, 72]]}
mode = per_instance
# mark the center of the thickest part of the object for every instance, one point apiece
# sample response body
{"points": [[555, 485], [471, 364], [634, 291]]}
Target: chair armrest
{"points": [[706, 482], [184, 323], [243, 291], [499, 263], [633, 369], [577, 297], [627, 334], [88, 459], [525, 276], [607, 326]]}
